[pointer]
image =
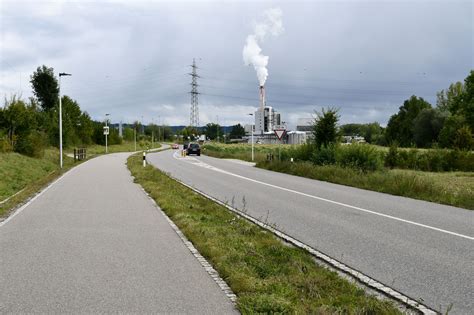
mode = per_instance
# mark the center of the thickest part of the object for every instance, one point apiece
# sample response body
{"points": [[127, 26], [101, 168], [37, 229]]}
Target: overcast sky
{"points": [[131, 58]]}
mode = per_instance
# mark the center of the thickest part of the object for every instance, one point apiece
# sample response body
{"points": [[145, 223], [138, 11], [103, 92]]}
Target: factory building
{"points": [[266, 118]]}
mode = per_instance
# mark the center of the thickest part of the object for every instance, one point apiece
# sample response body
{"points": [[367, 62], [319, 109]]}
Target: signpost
{"points": [[106, 133], [279, 133]]}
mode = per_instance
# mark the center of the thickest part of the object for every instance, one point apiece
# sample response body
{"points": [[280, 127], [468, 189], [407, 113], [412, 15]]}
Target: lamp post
{"points": [[106, 133], [61, 121], [251, 126]]}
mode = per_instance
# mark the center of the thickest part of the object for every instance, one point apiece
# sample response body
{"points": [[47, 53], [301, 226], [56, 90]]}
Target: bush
{"points": [[359, 156], [32, 144], [5, 144], [391, 159], [325, 155]]}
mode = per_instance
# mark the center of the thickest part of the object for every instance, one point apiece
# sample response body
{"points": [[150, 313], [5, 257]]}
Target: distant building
{"points": [[304, 124], [296, 137], [266, 120]]}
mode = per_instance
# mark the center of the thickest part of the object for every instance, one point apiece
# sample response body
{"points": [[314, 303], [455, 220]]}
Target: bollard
{"points": [[144, 158], [291, 160]]}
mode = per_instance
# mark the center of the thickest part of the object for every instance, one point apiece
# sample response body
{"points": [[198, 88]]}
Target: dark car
{"points": [[193, 148]]}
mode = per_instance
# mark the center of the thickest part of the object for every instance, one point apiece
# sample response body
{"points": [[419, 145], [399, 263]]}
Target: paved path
{"points": [[425, 250], [94, 243]]}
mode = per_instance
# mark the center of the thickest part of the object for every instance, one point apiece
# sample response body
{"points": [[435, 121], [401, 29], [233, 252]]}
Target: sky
{"points": [[132, 58]]}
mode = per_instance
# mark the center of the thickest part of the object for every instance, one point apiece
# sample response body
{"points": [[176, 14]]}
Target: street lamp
{"points": [[61, 121], [106, 132], [251, 126]]}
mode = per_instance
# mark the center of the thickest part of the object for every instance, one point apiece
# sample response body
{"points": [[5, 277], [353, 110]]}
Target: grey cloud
{"points": [[131, 59]]}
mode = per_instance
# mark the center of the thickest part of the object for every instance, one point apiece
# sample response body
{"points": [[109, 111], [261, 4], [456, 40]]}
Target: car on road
{"points": [[193, 148], [175, 146]]}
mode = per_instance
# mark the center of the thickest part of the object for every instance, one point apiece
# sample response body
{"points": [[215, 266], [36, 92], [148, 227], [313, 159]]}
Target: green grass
{"points": [[243, 151], [27, 173], [450, 188], [267, 275], [125, 146]]}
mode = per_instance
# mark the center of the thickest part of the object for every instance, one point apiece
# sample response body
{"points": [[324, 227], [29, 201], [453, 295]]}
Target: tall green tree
{"points": [[212, 130], [237, 132], [325, 127], [427, 126], [445, 99], [464, 103], [45, 87], [400, 125]]}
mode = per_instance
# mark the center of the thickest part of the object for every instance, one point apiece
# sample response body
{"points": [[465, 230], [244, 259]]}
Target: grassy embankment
{"points": [[450, 188], [24, 176], [267, 275]]}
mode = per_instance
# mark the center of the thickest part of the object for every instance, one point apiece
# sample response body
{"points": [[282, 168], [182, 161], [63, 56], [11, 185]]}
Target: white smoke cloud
{"points": [[252, 53]]}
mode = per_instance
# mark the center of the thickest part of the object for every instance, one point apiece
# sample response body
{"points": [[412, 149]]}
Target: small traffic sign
{"points": [[279, 133], [106, 130]]}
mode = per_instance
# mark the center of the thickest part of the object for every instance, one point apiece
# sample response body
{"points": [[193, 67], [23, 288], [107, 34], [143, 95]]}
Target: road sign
{"points": [[106, 130], [279, 133]]}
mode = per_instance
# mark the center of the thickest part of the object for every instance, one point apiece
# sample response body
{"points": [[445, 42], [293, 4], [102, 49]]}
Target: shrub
{"points": [[391, 159], [324, 155], [32, 144], [359, 156]]}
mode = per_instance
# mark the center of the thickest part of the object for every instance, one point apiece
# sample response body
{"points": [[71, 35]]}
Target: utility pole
{"points": [[152, 132], [106, 132], [61, 122], [217, 127], [194, 115]]}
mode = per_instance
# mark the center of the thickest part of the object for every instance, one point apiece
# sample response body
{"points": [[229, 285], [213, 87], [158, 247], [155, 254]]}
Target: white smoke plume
{"points": [[252, 53]]}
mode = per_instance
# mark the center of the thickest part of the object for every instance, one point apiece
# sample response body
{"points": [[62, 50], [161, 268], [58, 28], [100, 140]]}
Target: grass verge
{"points": [[267, 275], [450, 188]]}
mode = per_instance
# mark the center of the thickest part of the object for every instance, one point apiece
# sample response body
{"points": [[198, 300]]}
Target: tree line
{"points": [[450, 124]]}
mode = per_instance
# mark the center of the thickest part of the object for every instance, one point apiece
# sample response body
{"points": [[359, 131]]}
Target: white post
{"points": [[144, 159], [106, 150], [60, 127], [135, 138], [252, 143]]}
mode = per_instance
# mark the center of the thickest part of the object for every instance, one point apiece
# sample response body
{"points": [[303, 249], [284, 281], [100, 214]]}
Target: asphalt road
{"points": [[94, 243], [423, 249]]}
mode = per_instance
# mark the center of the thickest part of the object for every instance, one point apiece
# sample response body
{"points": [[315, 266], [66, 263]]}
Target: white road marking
{"points": [[195, 161]]}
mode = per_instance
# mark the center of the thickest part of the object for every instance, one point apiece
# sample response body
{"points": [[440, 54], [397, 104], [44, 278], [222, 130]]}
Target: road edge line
{"points": [[203, 261], [333, 263]]}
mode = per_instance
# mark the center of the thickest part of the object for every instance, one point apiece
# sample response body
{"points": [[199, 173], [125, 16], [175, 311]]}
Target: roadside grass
{"points": [[26, 175], [125, 146], [267, 275], [450, 188], [244, 151]]}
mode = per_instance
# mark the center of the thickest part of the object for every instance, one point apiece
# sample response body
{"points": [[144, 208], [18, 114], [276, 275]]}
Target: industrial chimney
{"points": [[262, 97]]}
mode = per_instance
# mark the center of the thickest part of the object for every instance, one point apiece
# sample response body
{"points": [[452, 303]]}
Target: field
{"points": [[267, 275], [451, 188]]}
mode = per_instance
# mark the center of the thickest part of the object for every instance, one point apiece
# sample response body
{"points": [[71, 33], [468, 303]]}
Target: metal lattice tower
{"points": [[194, 116]]}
